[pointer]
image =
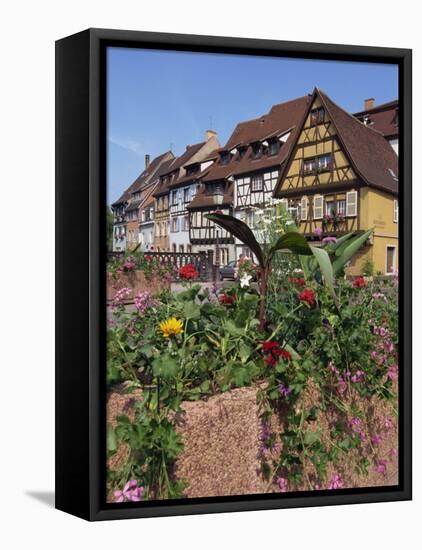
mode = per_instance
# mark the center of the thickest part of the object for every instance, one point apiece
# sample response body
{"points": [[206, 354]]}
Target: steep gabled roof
{"points": [[154, 168], [151, 169], [369, 153]]}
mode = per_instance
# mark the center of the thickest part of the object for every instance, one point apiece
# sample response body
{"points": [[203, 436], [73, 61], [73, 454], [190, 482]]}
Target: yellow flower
{"points": [[171, 327]]}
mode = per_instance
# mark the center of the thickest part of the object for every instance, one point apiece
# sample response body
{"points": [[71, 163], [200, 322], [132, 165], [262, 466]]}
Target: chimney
{"points": [[147, 159], [210, 134], [368, 104]]}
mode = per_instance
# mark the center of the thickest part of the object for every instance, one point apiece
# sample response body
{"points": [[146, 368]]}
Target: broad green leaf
{"points": [[349, 250], [191, 310], [291, 242], [326, 268]]}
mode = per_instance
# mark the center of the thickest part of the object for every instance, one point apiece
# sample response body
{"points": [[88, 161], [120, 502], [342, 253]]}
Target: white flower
{"points": [[244, 280]]}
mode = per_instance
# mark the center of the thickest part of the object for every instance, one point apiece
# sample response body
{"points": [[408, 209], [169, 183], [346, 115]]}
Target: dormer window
{"points": [[225, 157], [317, 116], [215, 188], [256, 150], [242, 151], [193, 169], [273, 147]]}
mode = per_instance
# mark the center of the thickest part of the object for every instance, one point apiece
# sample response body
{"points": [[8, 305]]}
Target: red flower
{"points": [[359, 282], [148, 258], [188, 272], [297, 282], [273, 351], [286, 355], [226, 299], [307, 296]]}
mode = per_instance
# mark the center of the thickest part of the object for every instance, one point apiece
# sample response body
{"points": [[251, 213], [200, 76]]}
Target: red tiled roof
{"points": [[282, 118], [383, 118]]}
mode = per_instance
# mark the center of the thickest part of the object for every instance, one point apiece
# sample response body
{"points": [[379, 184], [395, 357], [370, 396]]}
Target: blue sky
{"points": [[159, 100]]}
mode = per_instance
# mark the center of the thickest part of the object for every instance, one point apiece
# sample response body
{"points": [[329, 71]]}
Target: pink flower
{"points": [[381, 467], [283, 484], [393, 453], [143, 301], [392, 372], [317, 232], [387, 423], [376, 439], [132, 492], [121, 295], [336, 482], [358, 376], [355, 424]]}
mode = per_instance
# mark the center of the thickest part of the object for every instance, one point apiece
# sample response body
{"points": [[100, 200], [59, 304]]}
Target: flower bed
{"points": [[315, 354]]}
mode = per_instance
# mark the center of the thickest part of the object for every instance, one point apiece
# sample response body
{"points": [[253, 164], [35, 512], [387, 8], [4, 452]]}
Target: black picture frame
{"points": [[80, 272]]}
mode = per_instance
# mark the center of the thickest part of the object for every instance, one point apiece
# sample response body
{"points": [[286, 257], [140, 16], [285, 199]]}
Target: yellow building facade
{"points": [[341, 177]]}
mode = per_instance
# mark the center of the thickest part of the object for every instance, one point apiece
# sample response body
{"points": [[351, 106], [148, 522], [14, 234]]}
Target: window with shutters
{"points": [[318, 207], [396, 211], [304, 208], [351, 203]]}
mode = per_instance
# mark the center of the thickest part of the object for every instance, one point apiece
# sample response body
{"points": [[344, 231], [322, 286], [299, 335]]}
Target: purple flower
{"points": [[355, 424], [121, 296], [132, 492], [284, 390], [381, 467], [393, 453], [317, 232], [329, 240], [376, 439], [336, 482], [143, 301]]}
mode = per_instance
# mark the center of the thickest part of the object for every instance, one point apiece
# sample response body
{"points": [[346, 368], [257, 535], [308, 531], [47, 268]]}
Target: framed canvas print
{"points": [[233, 274]]}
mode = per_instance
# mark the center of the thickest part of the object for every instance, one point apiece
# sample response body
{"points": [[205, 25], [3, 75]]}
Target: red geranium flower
{"points": [[307, 296], [273, 351], [188, 272], [359, 282], [286, 355], [148, 258], [226, 299]]}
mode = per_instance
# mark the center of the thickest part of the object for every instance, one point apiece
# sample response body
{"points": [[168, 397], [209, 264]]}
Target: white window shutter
{"points": [[351, 203], [318, 207], [304, 208], [396, 211]]}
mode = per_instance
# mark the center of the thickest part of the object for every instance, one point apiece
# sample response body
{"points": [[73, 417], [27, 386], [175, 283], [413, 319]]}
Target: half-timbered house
{"points": [[178, 185], [127, 208], [244, 176], [341, 176]]}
